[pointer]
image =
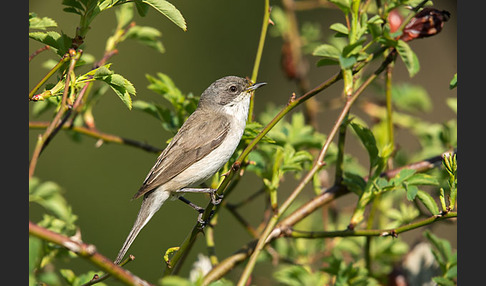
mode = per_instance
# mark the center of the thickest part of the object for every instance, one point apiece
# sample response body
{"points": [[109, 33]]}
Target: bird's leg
{"points": [[199, 209], [215, 197]]}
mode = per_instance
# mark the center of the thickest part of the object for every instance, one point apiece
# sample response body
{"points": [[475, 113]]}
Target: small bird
{"points": [[203, 144]]}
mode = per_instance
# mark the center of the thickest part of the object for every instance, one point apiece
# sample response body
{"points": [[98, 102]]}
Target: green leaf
{"points": [[48, 195], [147, 36], [326, 50], [298, 275], [40, 23], [327, 62], [142, 8], [442, 281], [428, 202], [73, 4], [347, 62], [121, 86], [354, 182], [340, 28], [149, 108], [409, 58], [452, 103], [68, 275], [252, 129], [35, 253], [60, 42], [102, 71], [402, 176], [422, 179], [344, 5], [453, 83], [175, 281], [412, 98], [411, 191], [124, 15], [368, 140], [168, 10]]}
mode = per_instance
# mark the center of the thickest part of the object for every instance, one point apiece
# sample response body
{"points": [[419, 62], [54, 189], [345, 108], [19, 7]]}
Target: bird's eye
{"points": [[233, 88]]}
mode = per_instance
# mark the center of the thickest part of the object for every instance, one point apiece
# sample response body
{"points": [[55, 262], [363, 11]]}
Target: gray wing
{"points": [[194, 140]]}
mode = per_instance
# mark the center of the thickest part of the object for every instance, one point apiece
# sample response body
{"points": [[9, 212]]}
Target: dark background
{"points": [[221, 39]]}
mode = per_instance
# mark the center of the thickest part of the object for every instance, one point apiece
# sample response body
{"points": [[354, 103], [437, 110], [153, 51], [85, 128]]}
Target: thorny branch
{"points": [[88, 252]]}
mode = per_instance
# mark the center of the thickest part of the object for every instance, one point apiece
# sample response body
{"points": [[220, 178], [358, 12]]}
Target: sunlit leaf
{"points": [[168, 10]]}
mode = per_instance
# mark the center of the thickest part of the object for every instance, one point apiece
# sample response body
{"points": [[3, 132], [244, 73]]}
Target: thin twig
{"points": [[87, 251], [369, 232], [38, 51], [261, 43], [105, 137], [97, 279], [64, 59], [50, 130]]}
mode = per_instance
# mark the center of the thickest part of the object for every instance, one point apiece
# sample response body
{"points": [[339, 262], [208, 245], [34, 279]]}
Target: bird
{"points": [[203, 144]]}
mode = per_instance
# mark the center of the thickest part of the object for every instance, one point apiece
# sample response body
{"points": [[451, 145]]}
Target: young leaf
{"points": [[344, 5], [168, 10], [149, 108], [409, 58], [60, 42], [147, 36], [340, 28], [326, 50], [124, 15], [121, 86], [40, 23], [428, 202], [411, 191], [453, 83]]}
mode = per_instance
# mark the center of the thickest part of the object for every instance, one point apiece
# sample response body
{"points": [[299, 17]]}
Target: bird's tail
{"points": [[150, 205]]}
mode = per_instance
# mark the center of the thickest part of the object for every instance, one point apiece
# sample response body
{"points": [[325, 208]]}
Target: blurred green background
{"points": [[221, 39]]}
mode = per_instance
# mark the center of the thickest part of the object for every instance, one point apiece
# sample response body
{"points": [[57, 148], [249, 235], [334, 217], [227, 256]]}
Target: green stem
{"points": [[258, 249], [53, 126], [389, 107], [371, 232], [64, 59], [256, 65]]}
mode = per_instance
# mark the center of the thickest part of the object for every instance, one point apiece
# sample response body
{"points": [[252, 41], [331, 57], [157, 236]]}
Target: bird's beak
{"points": [[255, 86]]}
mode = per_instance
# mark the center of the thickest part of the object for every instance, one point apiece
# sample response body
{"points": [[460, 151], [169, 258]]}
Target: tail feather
{"points": [[150, 205]]}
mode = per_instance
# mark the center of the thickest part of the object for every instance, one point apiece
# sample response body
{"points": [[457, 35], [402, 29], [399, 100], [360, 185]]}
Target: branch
{"points": [[256, 65], [299, 214], [369, 232], [56, 123], [38, 51], [64, 59], [87, 251], [110, 138]]}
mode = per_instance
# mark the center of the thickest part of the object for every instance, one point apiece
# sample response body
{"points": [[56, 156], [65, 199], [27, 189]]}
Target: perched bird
{"points": [[203, 144]]}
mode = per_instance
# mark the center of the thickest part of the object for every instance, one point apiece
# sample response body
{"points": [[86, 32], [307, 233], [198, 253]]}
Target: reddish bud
{"points": [[426, 23]]}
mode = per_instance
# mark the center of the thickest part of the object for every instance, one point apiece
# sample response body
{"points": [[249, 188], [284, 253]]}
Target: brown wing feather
{"points": [[185, 149]]}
